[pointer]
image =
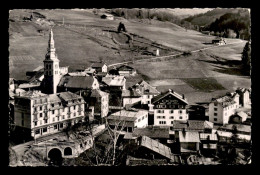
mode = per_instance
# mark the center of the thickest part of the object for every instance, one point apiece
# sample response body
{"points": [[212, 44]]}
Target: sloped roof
{"points": [[125, 68], [62, 96], [114, 80], [98, 65], [226, 100], [210, 136], [240, 127], [178, 96], [31, 94], [157, 147], [29, 85], [125, 113], [130, 93], [187, 136], [38, 68], [192, 125], [242, 114], [83, 82], [145, 88], [152, 132], [38, 75], [98, 93]]}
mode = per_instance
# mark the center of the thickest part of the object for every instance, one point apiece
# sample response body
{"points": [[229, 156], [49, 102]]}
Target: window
{"points": [[172, 122], [44, 130], [163, 117], [63, 117], [37, 131], [53, 111], [215, 104], [74, 107], [171, 117], [35, 109], [171, 111], [215, 119], [55, 126], [158, 117], [139, 120], [180, 117], [159, 111], [180, 111], [215, 109], [35, 123], [162, 122], [52, 105], [61, 125], [53, 119], [40, 108], [40, 114], [215, 114], [75, 114], [142, 117]]}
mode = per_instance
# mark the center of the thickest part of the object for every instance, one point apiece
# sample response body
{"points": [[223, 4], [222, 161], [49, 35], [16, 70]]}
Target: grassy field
{"points": [[83, 40]]}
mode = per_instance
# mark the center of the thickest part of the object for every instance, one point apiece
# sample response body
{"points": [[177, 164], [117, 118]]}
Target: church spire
{"points": [[51, 54]]}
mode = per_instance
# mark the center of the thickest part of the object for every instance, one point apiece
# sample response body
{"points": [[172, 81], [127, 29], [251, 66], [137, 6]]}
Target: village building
{"points": [[189, 141], [193, 125], [98, 100], [114, 83], [76, 83], [220, 109], [130, 97], [147, 91], [126, 71], [244, 97], [99, 67], [45, 114], [199, 111], [168, 107], [90, 71], [238, 118], [129, 120], [219, 41], [107, 16], [209, 143]]}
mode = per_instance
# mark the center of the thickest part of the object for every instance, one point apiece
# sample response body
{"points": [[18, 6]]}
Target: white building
{"points": [[129, 120], [46, 114], [167, 107], [222, 108], [244, 98]]}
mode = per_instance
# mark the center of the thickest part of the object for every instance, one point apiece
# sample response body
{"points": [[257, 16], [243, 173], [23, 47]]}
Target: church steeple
{"points": [[51, 68], [51, 51]]}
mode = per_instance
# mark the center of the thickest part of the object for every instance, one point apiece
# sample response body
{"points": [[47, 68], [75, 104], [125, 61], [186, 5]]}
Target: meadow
{"points": [[200, 76]]}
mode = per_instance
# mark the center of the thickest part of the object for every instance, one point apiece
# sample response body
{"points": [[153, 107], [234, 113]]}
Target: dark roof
{"points": [[36, 76], [152, 132], [98, 65], [164, 94], [130, 93], [192, 125], [82, 82], [125, 68]]}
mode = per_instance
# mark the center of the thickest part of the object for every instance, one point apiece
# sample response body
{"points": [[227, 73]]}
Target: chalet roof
{"points": [[152, 132], [29, 85], [66, 96], [125, 68], [125, 113], [242, 114], [208, 136], [225, 101], [38, 75], [98, 65], [156, 147], [130, 93], [187, 136], [161, 96], [38, 68], [229, 134], [240, 127], [31, 94], [98, 93], [114, 80], [145, 88], [192, 125], [82, 82]]}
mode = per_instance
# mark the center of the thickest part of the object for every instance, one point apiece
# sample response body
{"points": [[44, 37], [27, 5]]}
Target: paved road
{"points": [[174, 55]]}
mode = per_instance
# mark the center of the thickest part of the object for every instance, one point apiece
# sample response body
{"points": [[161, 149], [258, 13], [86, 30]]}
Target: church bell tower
{"points": [[51, 68]]}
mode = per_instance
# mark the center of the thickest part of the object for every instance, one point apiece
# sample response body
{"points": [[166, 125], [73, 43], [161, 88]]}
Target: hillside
{"points": [[85, 38], [207, 18]]}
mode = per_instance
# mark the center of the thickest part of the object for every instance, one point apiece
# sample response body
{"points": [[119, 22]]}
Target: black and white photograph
{"points": [[129, 87]]}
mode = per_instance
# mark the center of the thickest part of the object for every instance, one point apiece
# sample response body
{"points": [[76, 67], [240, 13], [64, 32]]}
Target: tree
{"points": [[246, 57]]}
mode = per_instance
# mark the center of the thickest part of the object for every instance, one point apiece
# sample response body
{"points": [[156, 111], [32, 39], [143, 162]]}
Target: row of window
{"points": [[171, 111], [171, 117], [57, 118], [48, 66], [171, 106], [44, 130], [53, 111], [164, 122]]}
